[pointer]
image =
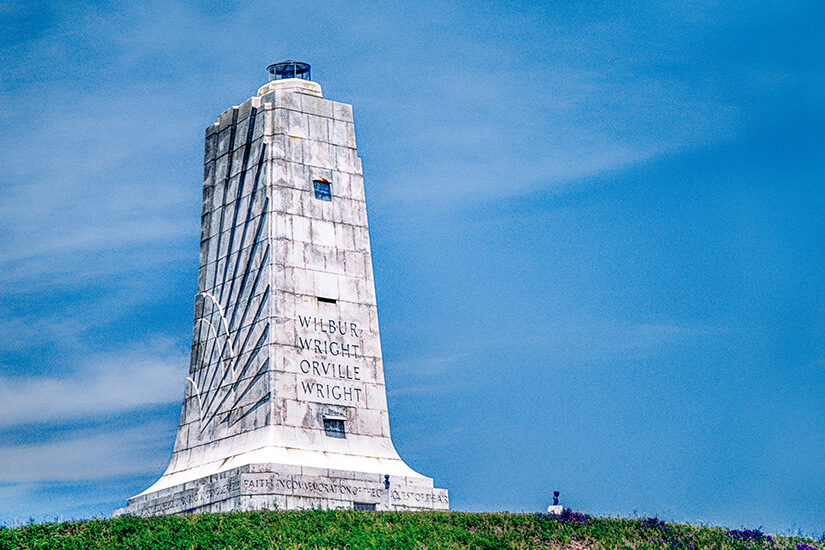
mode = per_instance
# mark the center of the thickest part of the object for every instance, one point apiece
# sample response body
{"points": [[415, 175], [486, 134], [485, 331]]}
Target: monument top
{"points": [[289, 69], [290, 76]]}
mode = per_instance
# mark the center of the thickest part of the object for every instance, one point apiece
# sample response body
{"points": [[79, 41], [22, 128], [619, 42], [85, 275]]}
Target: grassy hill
{"points": [[317, 529]]}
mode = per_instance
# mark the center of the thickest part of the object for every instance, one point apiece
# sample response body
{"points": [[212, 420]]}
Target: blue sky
{"points": [[598, 234]]}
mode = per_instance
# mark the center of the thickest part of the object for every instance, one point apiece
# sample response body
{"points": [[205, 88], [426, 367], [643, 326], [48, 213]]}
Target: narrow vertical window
{"points": [[334, 427], [323, 190]]}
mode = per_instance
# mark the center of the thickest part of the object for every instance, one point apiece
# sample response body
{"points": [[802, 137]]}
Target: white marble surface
{"points": [[269, 359]]}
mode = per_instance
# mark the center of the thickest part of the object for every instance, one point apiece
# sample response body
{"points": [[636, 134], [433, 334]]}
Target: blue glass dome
{"points": [[289, 69]]}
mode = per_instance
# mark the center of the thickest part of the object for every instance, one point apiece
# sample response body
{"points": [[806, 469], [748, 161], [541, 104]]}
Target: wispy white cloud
{"points": [[602, 340], [429, 366], [20, 333], [508, 136], [425, 390], [96, 165], [85, 181], [658, 332], [105, 384], [86, 455], [542, 101]]}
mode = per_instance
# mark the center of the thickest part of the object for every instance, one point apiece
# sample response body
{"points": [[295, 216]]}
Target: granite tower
{"points": [[284, 404]]}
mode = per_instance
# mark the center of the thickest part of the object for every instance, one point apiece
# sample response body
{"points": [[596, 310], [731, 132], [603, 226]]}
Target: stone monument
{"points": [[285, 406]]}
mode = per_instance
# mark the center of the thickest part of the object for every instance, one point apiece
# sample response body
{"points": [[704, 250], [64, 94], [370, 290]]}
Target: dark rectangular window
{"points": [[334, 428], [323, 300], [323, 190], [364, 506]]}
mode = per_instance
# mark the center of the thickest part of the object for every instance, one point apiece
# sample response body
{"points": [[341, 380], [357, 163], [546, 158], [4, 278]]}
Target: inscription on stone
{"points": [[330, 358], [278, 484], [191, 498], [327, 487]]}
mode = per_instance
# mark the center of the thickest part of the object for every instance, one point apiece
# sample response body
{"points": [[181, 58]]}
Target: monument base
{"points": [[284, 487]]}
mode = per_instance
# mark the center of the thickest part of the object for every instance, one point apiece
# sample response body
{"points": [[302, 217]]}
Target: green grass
{"points": [[317, 529]]}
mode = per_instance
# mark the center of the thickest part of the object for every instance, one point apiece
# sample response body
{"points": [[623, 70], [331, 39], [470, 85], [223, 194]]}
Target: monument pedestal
{"points": [[281, 487]]}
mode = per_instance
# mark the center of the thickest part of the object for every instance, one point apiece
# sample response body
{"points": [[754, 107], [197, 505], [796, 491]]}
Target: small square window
{"points": [[334, 428], [364, 506], [323, 190]]}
